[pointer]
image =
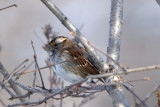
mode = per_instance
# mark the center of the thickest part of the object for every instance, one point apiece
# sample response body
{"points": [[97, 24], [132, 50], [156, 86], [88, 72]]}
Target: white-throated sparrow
{"points": [[75, 60]]}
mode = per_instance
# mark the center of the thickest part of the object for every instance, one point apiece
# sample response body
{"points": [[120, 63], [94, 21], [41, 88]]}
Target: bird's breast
{"points": [[65, 67]]}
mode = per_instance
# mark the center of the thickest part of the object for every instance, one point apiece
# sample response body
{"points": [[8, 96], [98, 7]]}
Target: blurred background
{"points": [[139, 44]]}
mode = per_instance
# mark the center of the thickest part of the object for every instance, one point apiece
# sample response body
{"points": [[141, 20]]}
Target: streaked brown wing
{"points": [[81, 57]]}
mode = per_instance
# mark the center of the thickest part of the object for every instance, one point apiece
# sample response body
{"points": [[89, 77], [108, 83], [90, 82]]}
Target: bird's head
{"points": [[57, 43]]}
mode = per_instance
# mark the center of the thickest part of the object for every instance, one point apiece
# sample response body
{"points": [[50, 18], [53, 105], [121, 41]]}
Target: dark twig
{"points": [[144, 104], [36, 62], [14, 5]]}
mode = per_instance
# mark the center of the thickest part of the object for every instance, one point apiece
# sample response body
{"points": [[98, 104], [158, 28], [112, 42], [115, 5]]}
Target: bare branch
{"points": [[14, 71], [126, 72], [67, 90], [21, 96], [158, 2], [116, 15], [13, 86], [46, 98], [3, 86]]}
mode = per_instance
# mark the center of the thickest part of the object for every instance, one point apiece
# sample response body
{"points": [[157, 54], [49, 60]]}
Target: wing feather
{"points": [[82, 59]]}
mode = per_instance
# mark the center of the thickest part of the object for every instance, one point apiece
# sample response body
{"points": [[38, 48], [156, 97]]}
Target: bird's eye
{"points": [[55, 44]]}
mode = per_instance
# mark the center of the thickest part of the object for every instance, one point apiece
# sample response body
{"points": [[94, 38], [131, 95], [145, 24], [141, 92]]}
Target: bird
{"points": [[72, 62]]}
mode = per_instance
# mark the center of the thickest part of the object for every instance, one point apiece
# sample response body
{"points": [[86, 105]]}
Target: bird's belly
{"points": [[67, 75], [66, 70]]}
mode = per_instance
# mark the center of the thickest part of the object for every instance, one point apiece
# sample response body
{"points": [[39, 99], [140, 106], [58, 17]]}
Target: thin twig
{"points": [[14, 5], [34, 79], [18, 76], [67, 90], [41, 40], [22, 73], [136, 96], [36, 62], [46, 98], [127, 72], [99, 87], [21, 96], [48, 66], [3, 86], [121, 66], [151, 93], [26, 60], [135, 99], [11, 75], [13, 86], [61, 95]]}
